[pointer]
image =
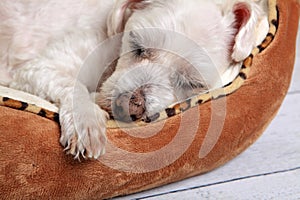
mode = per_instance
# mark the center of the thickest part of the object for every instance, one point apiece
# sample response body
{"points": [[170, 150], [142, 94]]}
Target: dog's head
{"points": [[173, 49]]}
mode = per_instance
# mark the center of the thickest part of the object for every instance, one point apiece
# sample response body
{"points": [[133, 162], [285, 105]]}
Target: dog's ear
{"points": [[248, 18], [121, 12]]}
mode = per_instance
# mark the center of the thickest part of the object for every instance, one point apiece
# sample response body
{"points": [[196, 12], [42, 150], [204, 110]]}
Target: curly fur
{"points": [[44, 45]]}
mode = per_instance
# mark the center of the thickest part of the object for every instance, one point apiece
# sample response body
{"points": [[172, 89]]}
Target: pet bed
{"points": [[187, 139]]}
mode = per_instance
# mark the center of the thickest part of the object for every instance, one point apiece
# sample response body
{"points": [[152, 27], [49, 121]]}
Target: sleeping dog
{"points": [[167, 51]]}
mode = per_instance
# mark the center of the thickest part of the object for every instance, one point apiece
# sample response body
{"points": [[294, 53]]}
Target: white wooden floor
{"points": [[270, 169]]}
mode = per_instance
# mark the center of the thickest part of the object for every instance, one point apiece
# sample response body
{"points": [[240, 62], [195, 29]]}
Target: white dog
{"points": [[169, 50]]}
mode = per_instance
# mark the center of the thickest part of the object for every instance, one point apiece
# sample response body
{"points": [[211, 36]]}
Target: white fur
{"points": [[44, 44]]}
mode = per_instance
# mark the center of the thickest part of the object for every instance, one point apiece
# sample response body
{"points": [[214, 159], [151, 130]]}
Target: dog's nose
{"points": [[130, 106]]}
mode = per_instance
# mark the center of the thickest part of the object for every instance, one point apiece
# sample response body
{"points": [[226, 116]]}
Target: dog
{"points": [[164, 51]]}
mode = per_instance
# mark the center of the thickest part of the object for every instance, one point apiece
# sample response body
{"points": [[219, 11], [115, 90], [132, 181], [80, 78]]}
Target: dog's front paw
{"points": [[83, 130]]}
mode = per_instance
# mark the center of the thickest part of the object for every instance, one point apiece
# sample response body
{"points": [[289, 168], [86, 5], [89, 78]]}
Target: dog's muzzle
{"points": [[129, 106]]}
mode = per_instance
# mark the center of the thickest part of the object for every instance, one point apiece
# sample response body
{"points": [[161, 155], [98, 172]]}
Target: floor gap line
{"points": [[221, 182], [294, 92]]}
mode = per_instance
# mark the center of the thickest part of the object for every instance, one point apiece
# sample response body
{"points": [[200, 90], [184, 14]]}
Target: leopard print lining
{"points": [[23, 106], [180, 107]]}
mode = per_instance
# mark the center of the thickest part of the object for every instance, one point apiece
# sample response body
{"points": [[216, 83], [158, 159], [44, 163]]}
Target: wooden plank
{"points": [[278, 149], [295, 85], [284, 185], [296, 76]]}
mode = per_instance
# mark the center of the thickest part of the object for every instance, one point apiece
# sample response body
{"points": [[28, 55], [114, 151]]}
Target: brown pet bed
{"points": [[187, 139]]}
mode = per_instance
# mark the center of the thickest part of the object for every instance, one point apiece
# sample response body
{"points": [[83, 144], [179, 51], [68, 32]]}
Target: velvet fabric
{"points": [[33, 164]]}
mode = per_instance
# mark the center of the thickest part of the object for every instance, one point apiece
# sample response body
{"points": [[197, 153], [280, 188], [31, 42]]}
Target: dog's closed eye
{"points": [[141, 52], [138, 49]]}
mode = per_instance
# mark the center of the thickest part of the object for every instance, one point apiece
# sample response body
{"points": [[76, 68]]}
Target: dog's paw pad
{"points": [[83, 133]]}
